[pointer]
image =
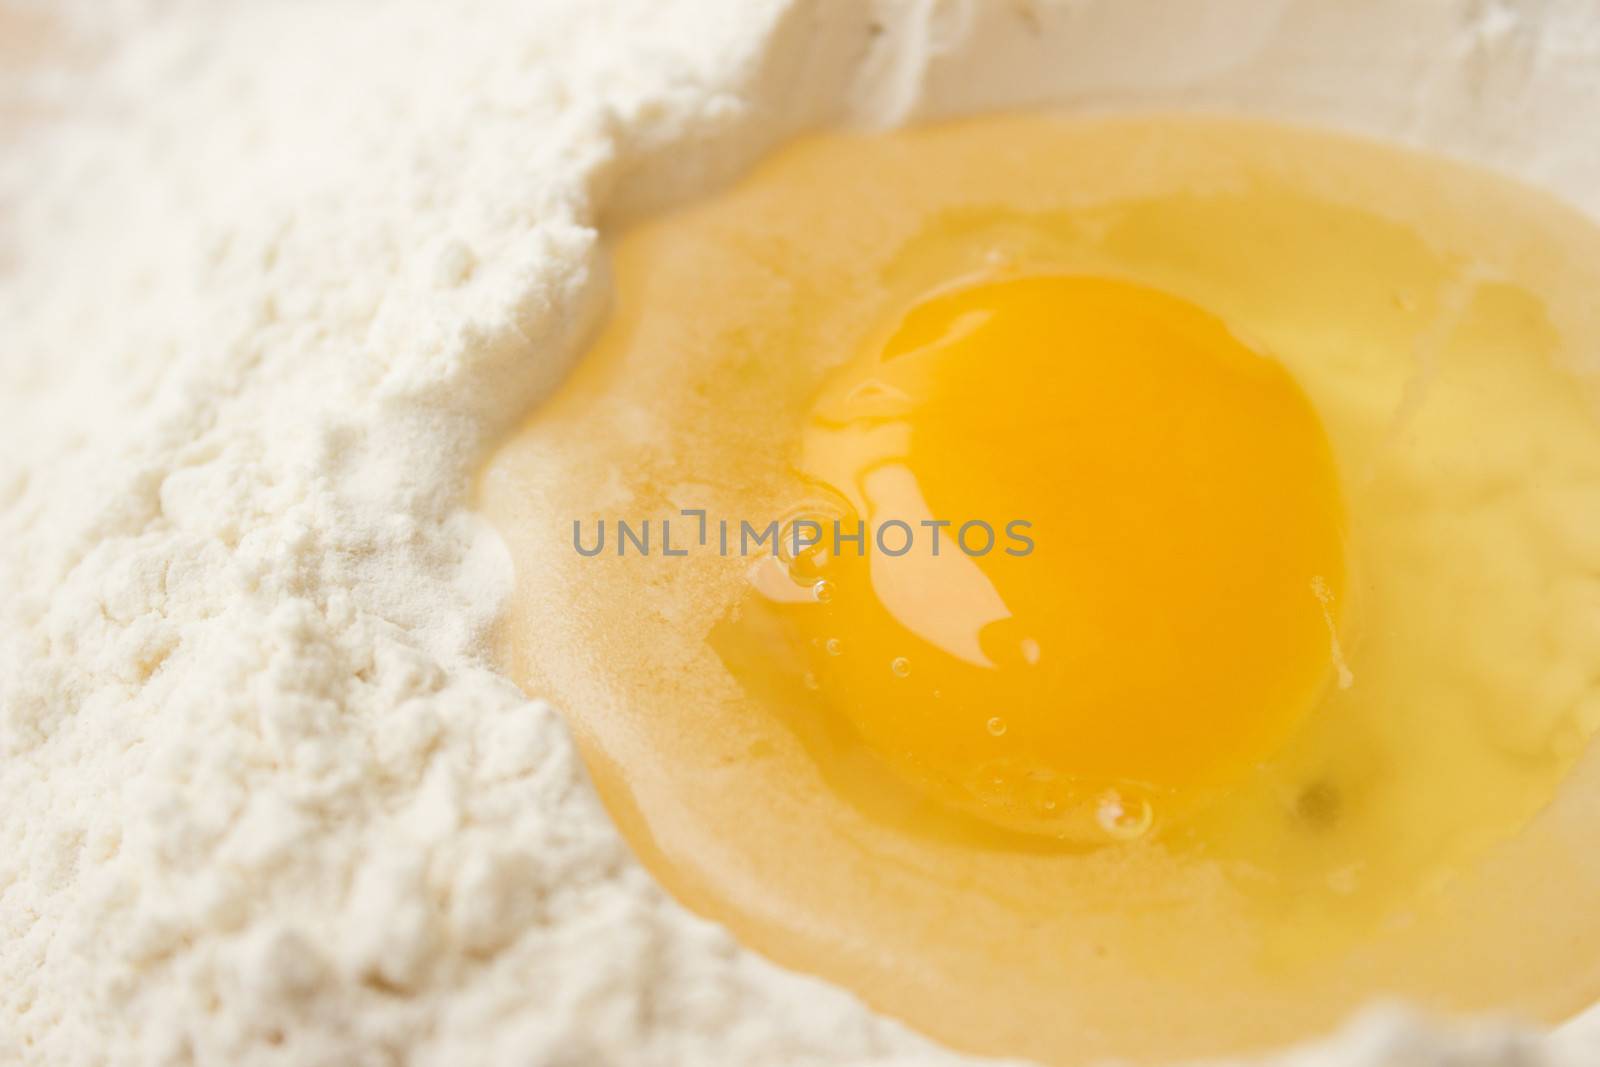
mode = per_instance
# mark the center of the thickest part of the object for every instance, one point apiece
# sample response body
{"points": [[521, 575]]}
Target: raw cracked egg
{"points": [[1118, 587]]}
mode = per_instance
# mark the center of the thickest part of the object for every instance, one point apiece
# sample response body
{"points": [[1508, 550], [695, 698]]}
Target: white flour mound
{"points": [[271, 279]]}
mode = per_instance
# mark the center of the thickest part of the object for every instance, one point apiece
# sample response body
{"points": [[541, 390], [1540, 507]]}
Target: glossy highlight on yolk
{"points": [[1123, 518]]}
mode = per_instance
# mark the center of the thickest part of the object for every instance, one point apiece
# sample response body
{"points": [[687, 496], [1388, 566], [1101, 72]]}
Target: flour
{"points": [[271, 279]]}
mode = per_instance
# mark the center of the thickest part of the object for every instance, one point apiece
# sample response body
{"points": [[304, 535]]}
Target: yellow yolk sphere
{"points": [[1102, 557]]}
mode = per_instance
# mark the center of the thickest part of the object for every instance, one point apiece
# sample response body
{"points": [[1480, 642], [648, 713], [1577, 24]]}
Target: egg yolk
{"points": [[1101, 559]]}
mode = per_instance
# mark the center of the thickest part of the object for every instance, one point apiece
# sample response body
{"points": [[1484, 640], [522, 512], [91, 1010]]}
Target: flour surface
{"points": [[272, 277]]}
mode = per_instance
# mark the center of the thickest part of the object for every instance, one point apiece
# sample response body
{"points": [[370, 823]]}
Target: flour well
{"points": [[271, 278]]}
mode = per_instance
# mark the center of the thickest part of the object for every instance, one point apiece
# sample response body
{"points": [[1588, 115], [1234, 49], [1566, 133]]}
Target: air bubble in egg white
{"points": [[1124, 817]]}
